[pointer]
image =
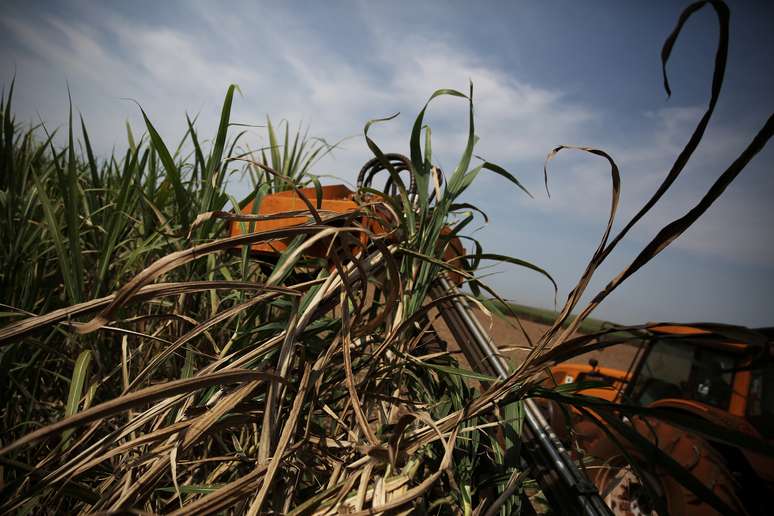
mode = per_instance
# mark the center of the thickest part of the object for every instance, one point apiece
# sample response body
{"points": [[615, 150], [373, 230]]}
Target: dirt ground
{"points": [[510, 339]]}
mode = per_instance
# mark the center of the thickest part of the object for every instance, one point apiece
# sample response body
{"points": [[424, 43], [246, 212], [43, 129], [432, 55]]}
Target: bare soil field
{"points": [[510, 339]]}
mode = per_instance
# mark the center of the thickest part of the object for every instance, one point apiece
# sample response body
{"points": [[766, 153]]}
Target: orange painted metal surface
{"points": [[675, 329], [570, 373], [739, 393], [336, 198]]}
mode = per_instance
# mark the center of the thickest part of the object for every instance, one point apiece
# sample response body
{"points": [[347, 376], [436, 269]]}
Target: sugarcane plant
{"points": [[150, 362]]}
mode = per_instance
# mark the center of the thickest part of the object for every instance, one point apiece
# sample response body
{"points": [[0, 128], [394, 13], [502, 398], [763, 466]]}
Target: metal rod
{"points": [[566, 487]]}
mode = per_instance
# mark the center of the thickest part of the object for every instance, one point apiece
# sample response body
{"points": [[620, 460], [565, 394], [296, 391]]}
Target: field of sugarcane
{"points": [[150, 363]]}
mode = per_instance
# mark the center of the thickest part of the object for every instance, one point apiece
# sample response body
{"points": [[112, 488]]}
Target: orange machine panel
{"points": [[336, 198], [675, 329]]}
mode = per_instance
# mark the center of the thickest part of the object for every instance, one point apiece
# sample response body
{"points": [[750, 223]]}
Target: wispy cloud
{"points": [[731, 230], [294, 66], [299, 77]]}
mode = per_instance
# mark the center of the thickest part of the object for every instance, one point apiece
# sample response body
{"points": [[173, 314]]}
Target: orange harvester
{"points": [[720, 374]]}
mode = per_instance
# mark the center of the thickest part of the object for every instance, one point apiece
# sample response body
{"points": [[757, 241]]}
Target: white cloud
{"points": [[286, 69], [292, 75], [731, 229]]}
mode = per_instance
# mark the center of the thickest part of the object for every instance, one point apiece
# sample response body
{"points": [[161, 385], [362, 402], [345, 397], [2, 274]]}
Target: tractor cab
{"points": [[722, 374], [712, 368], [706, 369]]}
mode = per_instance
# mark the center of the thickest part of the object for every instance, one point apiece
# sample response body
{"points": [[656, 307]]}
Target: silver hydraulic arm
{"points": [[565, 486]]}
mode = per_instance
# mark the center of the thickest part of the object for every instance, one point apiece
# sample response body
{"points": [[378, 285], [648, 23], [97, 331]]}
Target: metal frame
{"points": [[566, 487]]}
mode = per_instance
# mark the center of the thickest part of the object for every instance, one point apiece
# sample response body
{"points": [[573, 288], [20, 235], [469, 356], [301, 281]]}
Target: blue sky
{"points": [[545, 73]]}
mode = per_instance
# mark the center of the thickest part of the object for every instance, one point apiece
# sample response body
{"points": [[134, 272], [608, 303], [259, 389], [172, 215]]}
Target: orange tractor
{"points": [[727, 381], [723, 375], [566, 488]]}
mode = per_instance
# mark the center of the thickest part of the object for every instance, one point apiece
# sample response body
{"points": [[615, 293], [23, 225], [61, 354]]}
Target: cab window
{"points": [[680, 369], [760, 402]]}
